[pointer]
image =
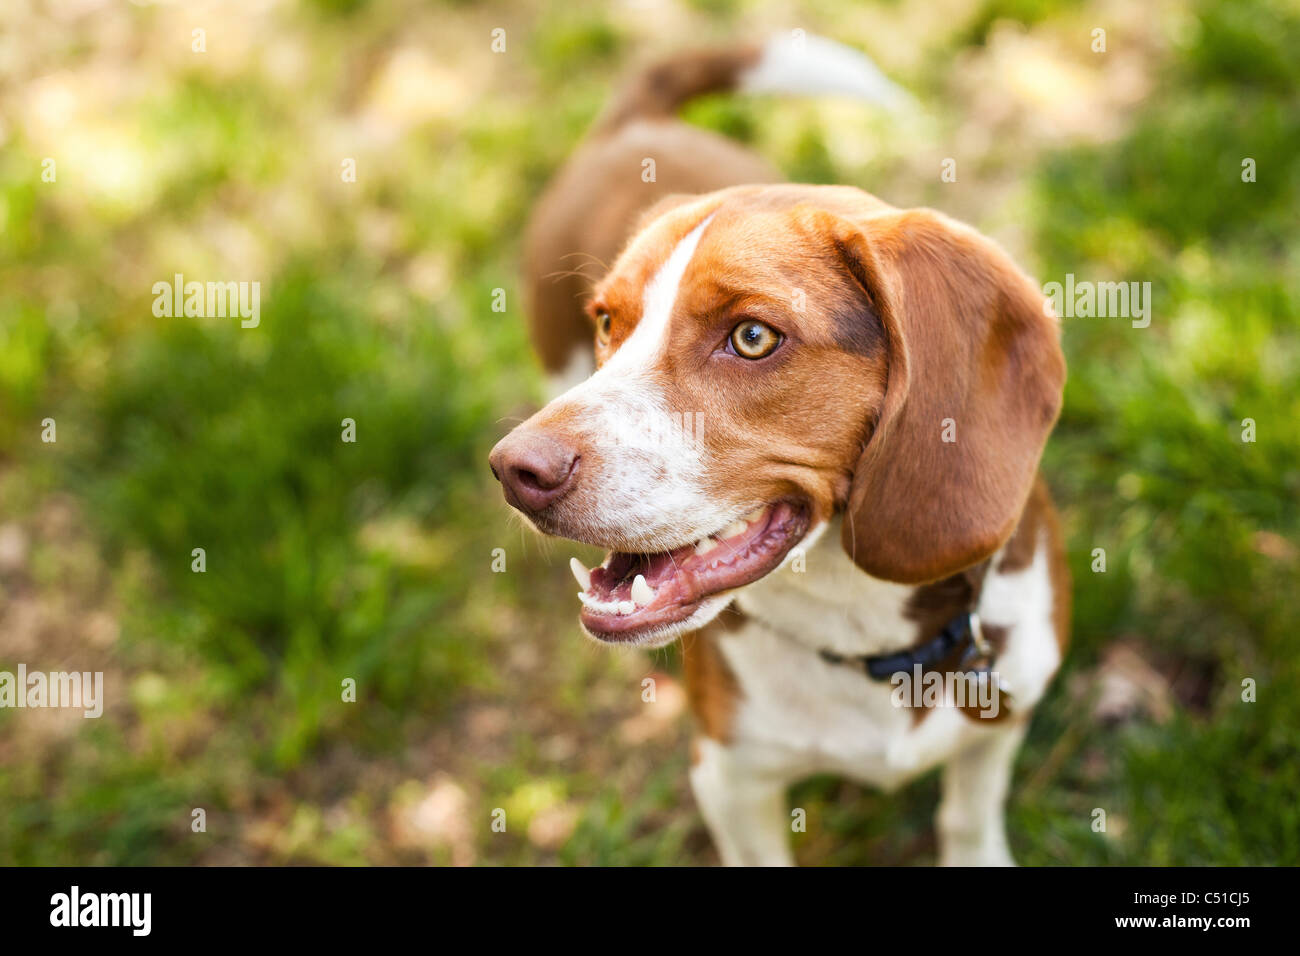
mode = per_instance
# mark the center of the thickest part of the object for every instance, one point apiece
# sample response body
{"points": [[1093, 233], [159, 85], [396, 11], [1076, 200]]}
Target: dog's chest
{"points": [[799, 714], [826, 602]]}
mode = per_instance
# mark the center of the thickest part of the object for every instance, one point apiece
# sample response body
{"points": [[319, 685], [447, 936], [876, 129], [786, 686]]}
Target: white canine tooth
{"points": [[642, 592], [581, 573], [733, 529], [625, 607], [705, 546], [754, 515]]}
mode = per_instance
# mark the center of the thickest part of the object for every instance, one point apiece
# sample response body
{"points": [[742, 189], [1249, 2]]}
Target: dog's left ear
{"points": [[974, 386]]}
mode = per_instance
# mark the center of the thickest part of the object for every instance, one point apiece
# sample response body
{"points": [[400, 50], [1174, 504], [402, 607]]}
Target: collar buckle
{"points": [[977, 636]]}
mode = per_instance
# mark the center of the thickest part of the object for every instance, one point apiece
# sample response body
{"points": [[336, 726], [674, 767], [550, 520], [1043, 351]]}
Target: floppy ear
{"points": [[974, 386]]}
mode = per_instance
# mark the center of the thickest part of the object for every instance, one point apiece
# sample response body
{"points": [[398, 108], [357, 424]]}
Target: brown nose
{"points": [[535, 469]]}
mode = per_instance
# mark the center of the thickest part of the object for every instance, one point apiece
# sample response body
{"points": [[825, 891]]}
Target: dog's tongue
{"points": [[632, 593]]}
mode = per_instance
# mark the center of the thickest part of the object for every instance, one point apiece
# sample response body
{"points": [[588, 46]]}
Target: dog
{"points": [[808, 434]]}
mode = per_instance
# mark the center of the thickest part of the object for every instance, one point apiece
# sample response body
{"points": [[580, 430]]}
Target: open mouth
{"points": [[632, 596]]}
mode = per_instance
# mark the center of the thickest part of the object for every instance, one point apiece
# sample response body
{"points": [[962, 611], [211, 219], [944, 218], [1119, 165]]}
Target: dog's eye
{"points": [[753, 340], [603, 324]]}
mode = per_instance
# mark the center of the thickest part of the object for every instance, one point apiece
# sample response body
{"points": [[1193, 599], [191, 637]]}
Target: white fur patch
{"points": [[857, 614], [799, 715], [651, 484], [649, 339], [814, 65], [1022, 602], [576, 370]]}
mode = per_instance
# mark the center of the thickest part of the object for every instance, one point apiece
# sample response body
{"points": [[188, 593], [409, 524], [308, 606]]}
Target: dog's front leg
{"points": [[744, 808], [972, 830]]}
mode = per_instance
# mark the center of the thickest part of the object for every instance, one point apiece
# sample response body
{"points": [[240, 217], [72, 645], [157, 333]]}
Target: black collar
{"points": [[963, 633]]}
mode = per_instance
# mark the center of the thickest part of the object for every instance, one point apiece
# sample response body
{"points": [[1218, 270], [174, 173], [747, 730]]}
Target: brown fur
{"points": [[1059, 569], [969, 341], [762, 245], [934, 605], [909, 318], [711, 687], [659, 90], [586, 214], [1039, 518]]}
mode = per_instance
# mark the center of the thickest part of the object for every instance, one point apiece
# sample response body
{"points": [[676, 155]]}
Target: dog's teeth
{"points": [[581, 573], [625, 607], [597, 605], [754, 515], [705, 546], [642, 593], [733, 529]]}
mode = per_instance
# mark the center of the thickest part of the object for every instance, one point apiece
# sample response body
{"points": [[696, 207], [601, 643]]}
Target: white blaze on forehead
{"points": [[648, 339], [650, 477]]}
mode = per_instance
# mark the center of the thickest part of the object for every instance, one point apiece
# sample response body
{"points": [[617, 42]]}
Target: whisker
{"points": [[595, 258], [561, 273]]}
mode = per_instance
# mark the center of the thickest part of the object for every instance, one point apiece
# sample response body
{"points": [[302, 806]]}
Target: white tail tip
{"points": [[812, 65]]}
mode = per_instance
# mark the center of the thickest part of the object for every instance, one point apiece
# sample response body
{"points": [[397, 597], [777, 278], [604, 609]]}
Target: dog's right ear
{"points": [[975, 374]]}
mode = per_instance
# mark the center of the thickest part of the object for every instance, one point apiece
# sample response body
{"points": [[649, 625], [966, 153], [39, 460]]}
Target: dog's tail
{"points": [[796, 63]]}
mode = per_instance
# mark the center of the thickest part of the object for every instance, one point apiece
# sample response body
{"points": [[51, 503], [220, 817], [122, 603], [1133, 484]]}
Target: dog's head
{"points": [[768, 356]]}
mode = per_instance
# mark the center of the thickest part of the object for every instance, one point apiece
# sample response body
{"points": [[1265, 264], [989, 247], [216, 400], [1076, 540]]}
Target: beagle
{"points": [[810, 445]]}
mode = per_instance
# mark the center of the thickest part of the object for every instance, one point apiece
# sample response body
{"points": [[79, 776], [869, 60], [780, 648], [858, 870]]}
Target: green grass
{"points": [[1153, 419], [373, 560]]}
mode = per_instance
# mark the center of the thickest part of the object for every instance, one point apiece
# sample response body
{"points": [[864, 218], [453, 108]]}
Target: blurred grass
{"points": [[1156, 415], [372, 560]]}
